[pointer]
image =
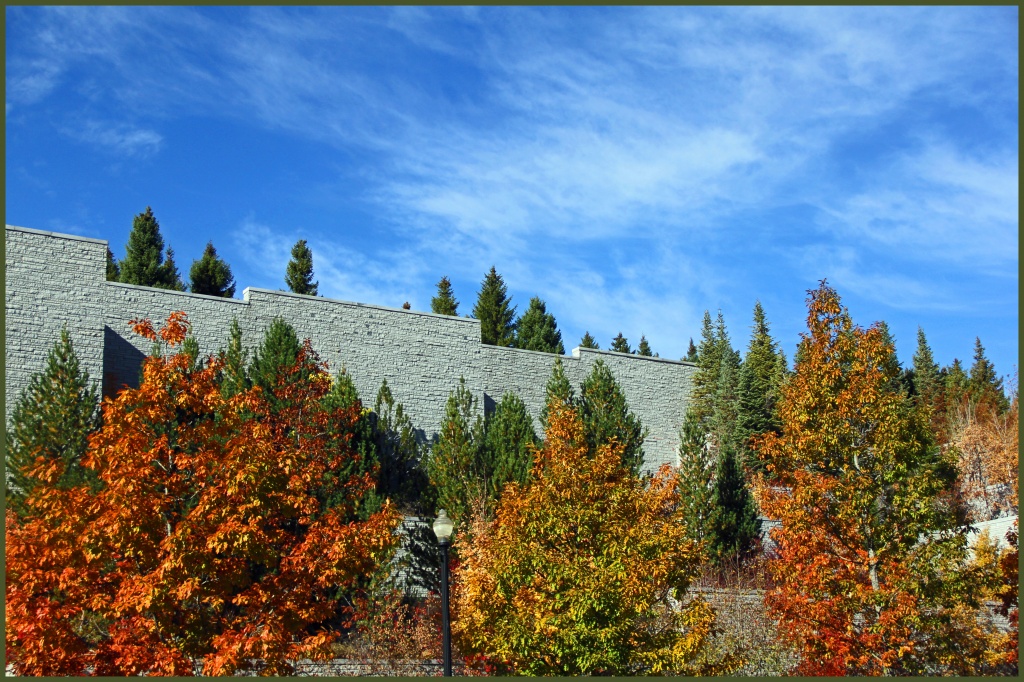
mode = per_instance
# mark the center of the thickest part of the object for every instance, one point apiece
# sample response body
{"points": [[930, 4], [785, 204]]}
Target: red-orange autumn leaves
{"points": [[208, 546]]}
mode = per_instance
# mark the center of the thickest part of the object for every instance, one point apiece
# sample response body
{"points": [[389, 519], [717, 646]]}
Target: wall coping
{"points": [[59, 235], [577, 350], [207, 297], [389, 309]]}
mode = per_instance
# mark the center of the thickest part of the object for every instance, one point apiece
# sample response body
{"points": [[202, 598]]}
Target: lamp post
{"points": [[443, 530]]}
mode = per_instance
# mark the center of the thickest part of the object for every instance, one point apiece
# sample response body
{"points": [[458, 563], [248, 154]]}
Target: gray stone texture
{"points": [[58, 279]]}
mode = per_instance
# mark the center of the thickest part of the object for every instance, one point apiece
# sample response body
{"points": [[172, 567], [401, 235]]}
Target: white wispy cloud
{"points": [[117, 138]]}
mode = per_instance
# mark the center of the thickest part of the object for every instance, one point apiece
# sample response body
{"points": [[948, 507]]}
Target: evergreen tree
{"points": [[402, 478], [50, 422], [734, 523], [444, 303], [234, 379], [758, 391], [455, 466], [705, 379], [644, 348], [696, 478], [113, 271], [272, 360], [497, 326], [957, 384], [620, 344], [606, 416], [510, 442], [558, 388], [143, 263], [536, 330], [724, 414], [361, 437], [691, 352], [926, 370], [210, 275], [588, 341], [299, 274], [984, 385]]}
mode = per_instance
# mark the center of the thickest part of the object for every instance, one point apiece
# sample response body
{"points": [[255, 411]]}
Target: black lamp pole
{"points": [[446, 626], [443, 530]]}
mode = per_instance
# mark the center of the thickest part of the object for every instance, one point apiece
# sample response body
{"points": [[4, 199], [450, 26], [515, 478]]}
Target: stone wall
{"points": [[56, 279]]}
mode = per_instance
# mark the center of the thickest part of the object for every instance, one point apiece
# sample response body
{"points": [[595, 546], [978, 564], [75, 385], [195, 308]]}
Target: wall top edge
{"points": [[577, 350], [58, 235], [207, 297], [502, 349], [278, 292]]}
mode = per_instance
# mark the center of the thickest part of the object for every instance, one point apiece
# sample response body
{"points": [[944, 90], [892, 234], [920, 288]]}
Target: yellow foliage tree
{"points": [[579, 571]]}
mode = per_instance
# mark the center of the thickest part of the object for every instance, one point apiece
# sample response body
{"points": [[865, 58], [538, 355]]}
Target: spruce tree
{"points": [[234, 378], [724, 414], [493, 309], [589, 341], [644, 348], [51, 421], [113, 271], [984, 385], [444, 303], [734, 520], [143, 263], [536, 329], [957, 384], [509, 444], [620, 344], [607, 416], [402, 478], [455, 465], [926, 370], [705, 379], [299, 274], [361, 438], [210, 275], [558, 388], [691, 352], [274, 359], [696, 478], [761, 378]]}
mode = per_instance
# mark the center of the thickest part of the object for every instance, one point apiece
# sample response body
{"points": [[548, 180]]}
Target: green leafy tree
{"points": [[536, 330], [143, 263], [444, 303], [761, 378], [644, 348], [696, 478], [510, 443], [620, 344], [558, 388], [493, 309], [234, 377], [455, 465], [50, 424], [299, 274], [606, 417], [113, 271], [210, 275], [589, 341], [734, 521]]}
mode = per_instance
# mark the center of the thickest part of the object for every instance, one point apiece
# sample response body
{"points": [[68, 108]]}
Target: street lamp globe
{"points": [[443, 527]]}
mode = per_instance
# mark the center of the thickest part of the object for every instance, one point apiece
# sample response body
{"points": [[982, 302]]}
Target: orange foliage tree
{"points": [[871, 575], [577, 571], [208, 547]]}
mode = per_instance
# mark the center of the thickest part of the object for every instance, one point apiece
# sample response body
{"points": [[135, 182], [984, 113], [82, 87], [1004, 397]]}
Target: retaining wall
{"points": [[57, 279]]}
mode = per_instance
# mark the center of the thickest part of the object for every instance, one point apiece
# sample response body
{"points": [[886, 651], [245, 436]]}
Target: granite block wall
{"points": [[58, 279]]}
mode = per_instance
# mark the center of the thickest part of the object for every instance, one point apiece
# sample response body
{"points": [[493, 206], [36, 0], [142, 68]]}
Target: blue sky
{"points": [[632, 167]]}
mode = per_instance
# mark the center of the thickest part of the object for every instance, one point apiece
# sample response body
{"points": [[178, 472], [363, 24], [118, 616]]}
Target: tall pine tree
{"points": [[299, 273], [272, 361], [985, 386], [724, 414], [758, 392], [509, 444], [143, 263], [235, 377], [734, 524], [50, 423], [403, 478], [559, 389], [113, 271], [691, 351], [455, 465], [644, 348], [361, 438], [536, 329], [620, 344], [696, 478], [444, 303], [210, 275], [589, 341], [495, 312]]}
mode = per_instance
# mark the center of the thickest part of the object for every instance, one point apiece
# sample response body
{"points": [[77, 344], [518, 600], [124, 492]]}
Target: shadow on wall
{"points": [[122, 363]]}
